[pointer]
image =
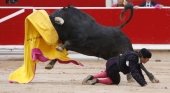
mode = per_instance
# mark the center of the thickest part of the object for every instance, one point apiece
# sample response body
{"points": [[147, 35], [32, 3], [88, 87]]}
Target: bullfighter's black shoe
{"points": [[92, 82], [85, 80]]}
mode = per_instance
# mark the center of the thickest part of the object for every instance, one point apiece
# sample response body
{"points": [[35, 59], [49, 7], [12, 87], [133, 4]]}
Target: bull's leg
{"points": [[150, 75], [62, 46], [51, 64]]}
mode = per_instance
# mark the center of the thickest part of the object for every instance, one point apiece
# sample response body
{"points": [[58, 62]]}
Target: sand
{"points": [[67, 78]]}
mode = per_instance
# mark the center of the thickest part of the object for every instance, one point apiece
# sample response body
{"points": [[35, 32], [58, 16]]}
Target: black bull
{"points": [[81, 33]]}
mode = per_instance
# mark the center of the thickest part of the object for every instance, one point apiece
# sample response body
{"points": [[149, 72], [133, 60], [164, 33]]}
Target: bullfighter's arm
{"points": [[135, 70], [150, 75]]}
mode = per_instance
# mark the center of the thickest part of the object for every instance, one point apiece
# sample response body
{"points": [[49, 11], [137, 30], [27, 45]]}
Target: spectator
{"points": [[115, 3], [128, 62], [11, 1], [120, 3], [150, 3]]}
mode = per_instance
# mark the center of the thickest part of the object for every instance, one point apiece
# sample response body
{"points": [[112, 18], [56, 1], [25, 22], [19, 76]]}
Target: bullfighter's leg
{"points": [[62, 46], [51, 64]]}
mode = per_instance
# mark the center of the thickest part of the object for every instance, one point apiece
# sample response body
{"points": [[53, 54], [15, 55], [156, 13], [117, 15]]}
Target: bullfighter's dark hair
{"points": [[145, 53]]}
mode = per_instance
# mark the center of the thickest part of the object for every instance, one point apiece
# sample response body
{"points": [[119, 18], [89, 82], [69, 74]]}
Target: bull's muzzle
{"points": [[59, 20]]}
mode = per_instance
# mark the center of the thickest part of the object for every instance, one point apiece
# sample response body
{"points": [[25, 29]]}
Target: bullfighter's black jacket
{"points": [[128, 63]]}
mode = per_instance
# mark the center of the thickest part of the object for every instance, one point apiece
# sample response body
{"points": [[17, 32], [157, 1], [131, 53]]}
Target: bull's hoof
{"points": [[49, 66]]}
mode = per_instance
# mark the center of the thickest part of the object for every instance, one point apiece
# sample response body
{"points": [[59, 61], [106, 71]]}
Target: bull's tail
{"points": [[127, 7]]}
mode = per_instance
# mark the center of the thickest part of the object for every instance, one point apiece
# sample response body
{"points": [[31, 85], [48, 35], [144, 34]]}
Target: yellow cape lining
{"points": [[39, 33]]}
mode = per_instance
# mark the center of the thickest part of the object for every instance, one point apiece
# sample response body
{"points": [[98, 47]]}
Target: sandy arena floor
{"points": [[67, 78]]}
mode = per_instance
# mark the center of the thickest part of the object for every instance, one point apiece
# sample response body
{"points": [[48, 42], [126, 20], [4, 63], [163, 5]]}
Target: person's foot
{"points": [[89, 77], [92, 82]]}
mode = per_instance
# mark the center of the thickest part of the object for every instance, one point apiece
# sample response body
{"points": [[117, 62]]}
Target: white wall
{"points": [[109, 3]]}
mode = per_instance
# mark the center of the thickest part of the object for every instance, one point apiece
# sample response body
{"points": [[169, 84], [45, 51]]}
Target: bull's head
{"points": [[63, 12], [59, 16], [65, 15]]}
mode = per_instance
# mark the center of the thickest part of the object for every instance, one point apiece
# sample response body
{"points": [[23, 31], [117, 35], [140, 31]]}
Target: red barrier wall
{"points": [[148, 26], [57, 3]]}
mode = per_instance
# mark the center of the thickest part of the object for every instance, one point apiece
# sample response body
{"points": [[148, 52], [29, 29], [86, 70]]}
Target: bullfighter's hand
{"points": [[154, 80]]}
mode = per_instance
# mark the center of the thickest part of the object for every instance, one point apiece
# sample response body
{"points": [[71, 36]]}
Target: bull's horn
{"points": [[59, 20]]}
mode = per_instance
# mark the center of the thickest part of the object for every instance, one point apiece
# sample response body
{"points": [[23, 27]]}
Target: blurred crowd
{"points": [[143, 3]]}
